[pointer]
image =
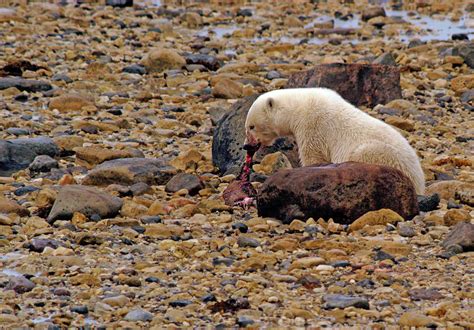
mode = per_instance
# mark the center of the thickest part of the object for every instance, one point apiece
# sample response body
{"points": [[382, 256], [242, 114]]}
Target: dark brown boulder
{"points": [[229, 135], [359, 84], [342, 192]]}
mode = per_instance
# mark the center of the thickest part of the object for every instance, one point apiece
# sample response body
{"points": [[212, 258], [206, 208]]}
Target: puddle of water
{"points": [[11, 256], [11, 272]]}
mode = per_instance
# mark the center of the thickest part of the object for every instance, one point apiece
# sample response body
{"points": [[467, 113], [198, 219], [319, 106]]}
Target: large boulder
{"points": [[86, 200], [229, 137], [128, 171], [343, 192], [18, 154], [462, 234], [359, 84], [466, 51], [29, 85]]}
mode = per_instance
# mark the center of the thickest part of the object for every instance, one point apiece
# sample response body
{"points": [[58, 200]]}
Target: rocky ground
{"points": [[111, 211]]}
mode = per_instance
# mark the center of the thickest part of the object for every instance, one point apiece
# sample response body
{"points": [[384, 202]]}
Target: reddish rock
{"points": [[343, 192], [359, 84]]}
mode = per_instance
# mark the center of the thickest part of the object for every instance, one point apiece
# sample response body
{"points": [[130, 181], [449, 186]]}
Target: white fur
{"points": [[329, 129]]}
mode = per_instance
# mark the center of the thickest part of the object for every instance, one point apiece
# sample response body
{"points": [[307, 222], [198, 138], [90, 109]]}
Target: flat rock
{"points": [[229, 136], [18, 154], [129, 171], [20, 284], [359, 84], [158, 60], [208, 61], [28, 85], [415, 319], [187, 181], [43, 163], [70, 102], [448, 189], [86, 200], [343, 192], [343, 301], [466, 51], [461, 234], [95, 155], [10, 206]]}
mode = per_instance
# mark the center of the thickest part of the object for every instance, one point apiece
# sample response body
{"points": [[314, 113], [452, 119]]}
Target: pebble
{"points": [[245, 241], [343, 301], [139, 314]]}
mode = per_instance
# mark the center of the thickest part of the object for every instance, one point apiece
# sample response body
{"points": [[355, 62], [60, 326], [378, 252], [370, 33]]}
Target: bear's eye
{"points": [[252, 127]]}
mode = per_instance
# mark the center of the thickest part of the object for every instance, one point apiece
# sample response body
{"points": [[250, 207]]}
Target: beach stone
{"points": [[161, 59], [85, 200], [359, 84], [119, 3], [454, 216], [466, 51], [227, 89], [461, 234], [273, 162], [372, 12], [209, 62], [28, 85], [70, 102], [343, 192], [428, 203], [39, 244], [245, 241], [43, 163], [374, 218], [462, 83], [343, 301], [405, 230], [135, 69], [415, 319], [190, 182], [8, 206], [401, 123], [20, 284], [385, 59], [18, 154], [229, 136], [448, 189], [128, 171], [89, 156]]}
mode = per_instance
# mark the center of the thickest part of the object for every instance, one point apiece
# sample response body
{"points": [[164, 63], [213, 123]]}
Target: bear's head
{"points": [[259, 125]]}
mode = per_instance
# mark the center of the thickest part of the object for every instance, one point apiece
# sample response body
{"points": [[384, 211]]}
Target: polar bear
{"points": [[327, 128]]}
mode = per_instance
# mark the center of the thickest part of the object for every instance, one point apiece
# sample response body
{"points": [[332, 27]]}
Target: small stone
{"points": [[116, 301], [306, 262], [382, 255], [245, 241], [227, 89], [190, 182], [454, 216], [428, 203], [461, 234], [243, 321], [180, 303], [39, 244], [425, 294], [385, 59], [20, 284], [80, 309], [405, 230], [43, 163], [372, 218], [415, 319], [342, 301], [161, 59], [240, 226], [139, 314], [135, 69], [70, 102]]}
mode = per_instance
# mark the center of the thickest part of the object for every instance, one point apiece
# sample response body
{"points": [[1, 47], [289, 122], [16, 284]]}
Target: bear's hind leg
{"points": [[384, 154]]}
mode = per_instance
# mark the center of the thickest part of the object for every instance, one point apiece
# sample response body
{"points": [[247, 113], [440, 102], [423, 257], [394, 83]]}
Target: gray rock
{"points": [[39, 244], [466, 51], [17, 131], [43, 163], [343, 301], [20, 284], [119, 3], [61, 77], [467, 96], [385, 59], [405, 230], [139, 314], [128, 171], [86, 200], [244, 241], [428, 203], [28, 85], [187, 181], [229, 135], [208, 61], [273, 75], [371, 12], [461, 234], [135, 68], [18, 154]]}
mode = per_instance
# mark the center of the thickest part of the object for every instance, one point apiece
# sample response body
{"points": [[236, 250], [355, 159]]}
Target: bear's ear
{"points": [[270, 104]]}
